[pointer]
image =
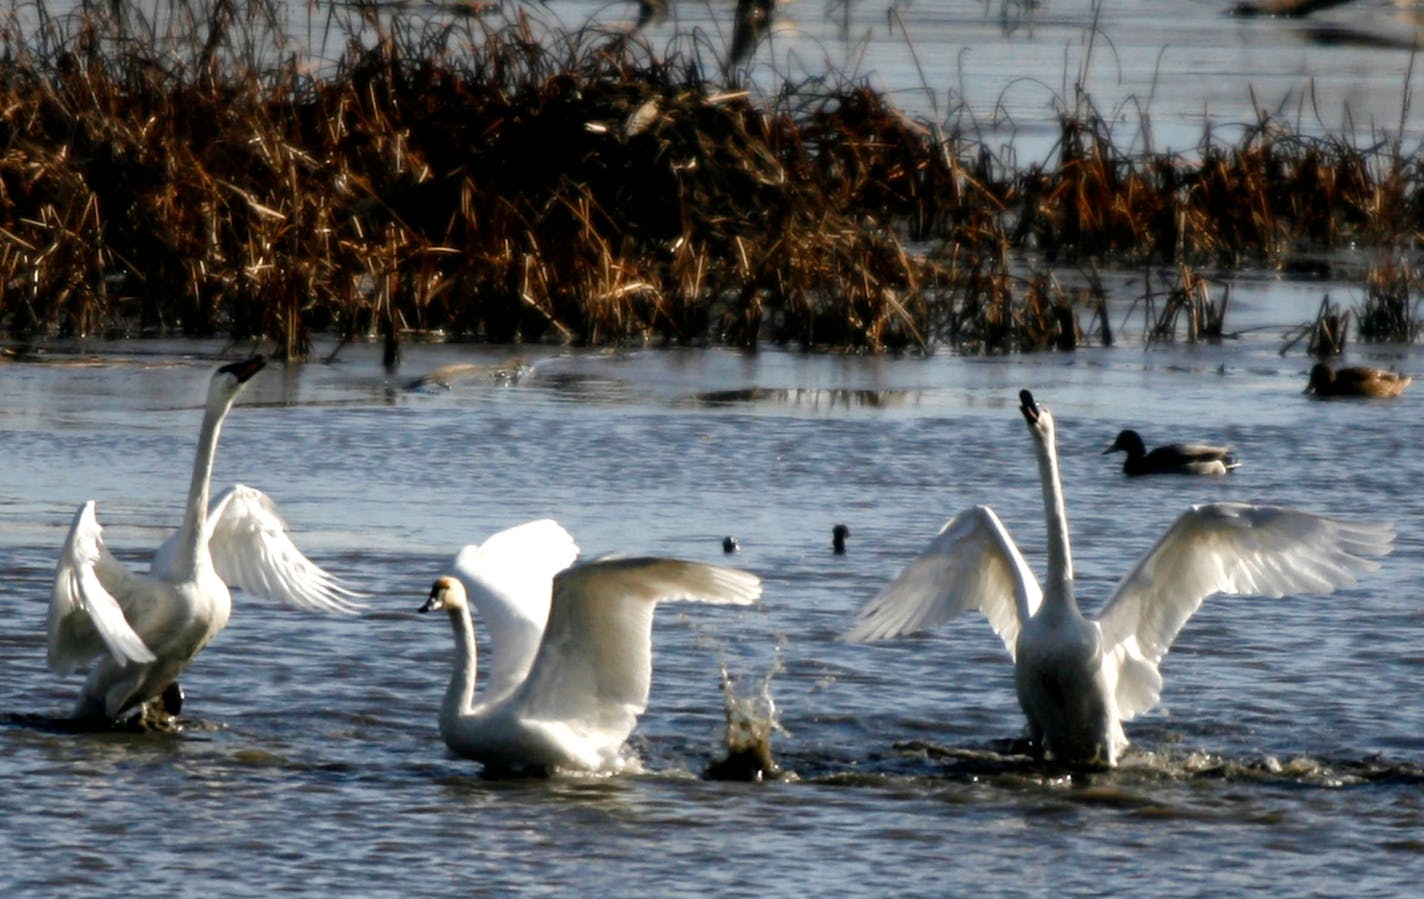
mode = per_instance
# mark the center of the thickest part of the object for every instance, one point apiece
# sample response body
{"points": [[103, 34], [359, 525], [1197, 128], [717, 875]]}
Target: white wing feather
{"points": [[972, 564], [251, 550], [594, 666], [510, 579], [85, 617], [1230, 548]]}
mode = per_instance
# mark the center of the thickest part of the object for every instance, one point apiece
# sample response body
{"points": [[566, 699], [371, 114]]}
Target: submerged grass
{"points": [[490, 179]]}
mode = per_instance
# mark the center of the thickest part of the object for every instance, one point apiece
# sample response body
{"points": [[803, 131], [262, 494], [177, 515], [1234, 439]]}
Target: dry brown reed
{"points": [[1387, 312], [1325, 335], [477, 179]]}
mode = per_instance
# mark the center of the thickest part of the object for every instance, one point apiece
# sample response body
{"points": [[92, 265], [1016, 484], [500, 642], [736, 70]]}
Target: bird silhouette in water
{"points": [[753, 22], [650, 12], [1358, 380], [839, 533]]}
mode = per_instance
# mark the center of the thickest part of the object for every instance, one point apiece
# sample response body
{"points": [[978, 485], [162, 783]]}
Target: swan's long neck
{"points": [[1059, 585], [460, 694], [193, 537]]}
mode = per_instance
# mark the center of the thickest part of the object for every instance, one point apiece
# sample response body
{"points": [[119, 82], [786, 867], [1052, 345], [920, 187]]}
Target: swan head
{"points": [[228, 381], [1040, 420], [447, 593], [1129, 442]]}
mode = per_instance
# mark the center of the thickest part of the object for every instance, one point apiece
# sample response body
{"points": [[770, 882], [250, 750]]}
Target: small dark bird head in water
{"points": [[650, 12], [729, 545], [839, 533], [751, 23]]}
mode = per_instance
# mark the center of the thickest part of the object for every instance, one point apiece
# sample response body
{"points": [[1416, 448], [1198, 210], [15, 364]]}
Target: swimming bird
{"points": [[1359, 380], [650, 12], [751, 22], [1078, 679], [564, 690], [144, 629], [839, 533], [1172, 458]]}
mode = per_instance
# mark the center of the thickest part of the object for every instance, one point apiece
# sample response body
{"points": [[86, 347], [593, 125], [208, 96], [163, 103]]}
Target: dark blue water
{"points": [[1287, 746]]}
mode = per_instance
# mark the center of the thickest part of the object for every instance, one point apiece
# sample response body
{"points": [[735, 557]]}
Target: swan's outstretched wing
{"points": [[251, 550], [595, 662], [1229, 548], [972, 564], [86, 609], [509, 579]]}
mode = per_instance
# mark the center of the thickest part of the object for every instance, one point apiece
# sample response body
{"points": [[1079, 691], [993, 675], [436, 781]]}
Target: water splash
{"points": [[751, 721], [1005, 764]]}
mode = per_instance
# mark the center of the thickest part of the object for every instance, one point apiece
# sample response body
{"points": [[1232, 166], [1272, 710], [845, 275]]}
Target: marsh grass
{"points": [[487, 178]]}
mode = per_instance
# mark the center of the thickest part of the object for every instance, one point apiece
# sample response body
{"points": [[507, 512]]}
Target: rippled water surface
{"points": [[1287, 746], [1286, 755]]}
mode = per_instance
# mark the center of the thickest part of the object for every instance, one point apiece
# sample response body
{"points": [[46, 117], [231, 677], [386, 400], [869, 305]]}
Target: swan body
{"points": [[509, 579], [1078, 679], [1171, 458], [565, 695], [140, 630], [1358, 380]]}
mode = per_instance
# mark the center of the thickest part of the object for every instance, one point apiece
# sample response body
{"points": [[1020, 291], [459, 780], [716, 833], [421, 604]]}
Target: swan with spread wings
{"points": [[137, 632], [572, 647], [1077, 678]]}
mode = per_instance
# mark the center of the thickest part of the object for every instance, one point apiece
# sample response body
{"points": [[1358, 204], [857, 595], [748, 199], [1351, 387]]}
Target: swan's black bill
{"points": [[246, 368], [433, 601], [1028, 406]]}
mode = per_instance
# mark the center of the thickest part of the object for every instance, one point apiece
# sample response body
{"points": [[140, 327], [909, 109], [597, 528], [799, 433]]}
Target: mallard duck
{"points": [[1356, 380], [1172, 458]]}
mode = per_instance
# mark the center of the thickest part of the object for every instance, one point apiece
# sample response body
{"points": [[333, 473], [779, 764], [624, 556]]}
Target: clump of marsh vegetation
{"points": [[192, 171]]}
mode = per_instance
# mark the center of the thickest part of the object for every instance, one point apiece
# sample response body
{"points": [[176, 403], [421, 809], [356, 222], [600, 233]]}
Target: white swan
{"points": [[510, 578], [145, 629], [563, 696], [1078, 680]]}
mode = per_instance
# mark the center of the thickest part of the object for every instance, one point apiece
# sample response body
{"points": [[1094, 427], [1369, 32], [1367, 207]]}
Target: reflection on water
{"points": [[446, 376], [814, 399]]}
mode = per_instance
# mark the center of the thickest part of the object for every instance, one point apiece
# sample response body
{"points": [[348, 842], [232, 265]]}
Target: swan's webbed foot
{"points": [[1033, 744], [171, 699], [1023, 745], [159, 714], [153, 717]]}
